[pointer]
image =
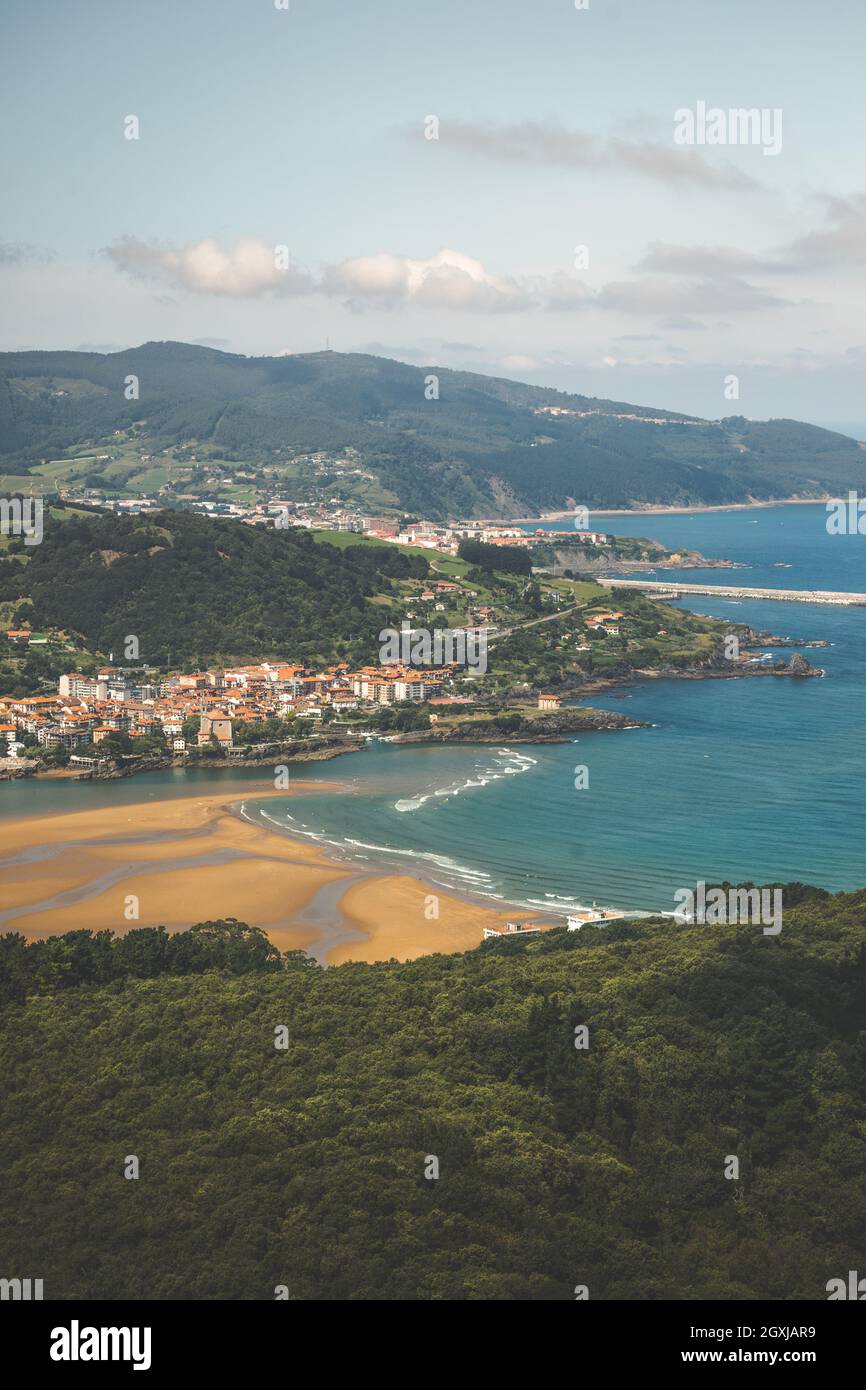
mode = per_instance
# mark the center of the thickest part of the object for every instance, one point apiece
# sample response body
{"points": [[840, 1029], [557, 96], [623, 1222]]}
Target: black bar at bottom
{"points": [[166, 1338]]}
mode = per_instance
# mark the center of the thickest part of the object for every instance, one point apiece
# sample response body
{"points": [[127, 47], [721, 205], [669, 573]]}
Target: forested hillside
{"points": [[485, 446], [193, 588], [558, 1166]]}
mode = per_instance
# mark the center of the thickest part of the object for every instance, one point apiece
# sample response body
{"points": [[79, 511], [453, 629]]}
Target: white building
{"points": [[592, 916], [82, 687]]}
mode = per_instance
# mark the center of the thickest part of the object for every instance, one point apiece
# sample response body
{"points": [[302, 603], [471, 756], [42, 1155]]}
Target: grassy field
{"points": [[448, 566]]}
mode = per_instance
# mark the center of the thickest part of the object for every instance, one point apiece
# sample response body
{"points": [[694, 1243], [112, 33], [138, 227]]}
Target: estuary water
{"points": [[760, 779]]}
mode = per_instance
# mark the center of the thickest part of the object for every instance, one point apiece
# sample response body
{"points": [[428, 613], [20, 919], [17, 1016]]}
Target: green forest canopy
{"points": [[204, 589], [558, 1166]]}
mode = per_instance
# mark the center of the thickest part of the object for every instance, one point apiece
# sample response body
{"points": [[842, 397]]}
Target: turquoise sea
{"points": [[755, 779]]}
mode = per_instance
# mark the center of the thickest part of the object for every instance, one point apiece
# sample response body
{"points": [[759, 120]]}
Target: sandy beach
{"points": [[191, 859]]}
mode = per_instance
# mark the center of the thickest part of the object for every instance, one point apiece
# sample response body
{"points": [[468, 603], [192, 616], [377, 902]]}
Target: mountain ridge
{"points": [[425, 439]]}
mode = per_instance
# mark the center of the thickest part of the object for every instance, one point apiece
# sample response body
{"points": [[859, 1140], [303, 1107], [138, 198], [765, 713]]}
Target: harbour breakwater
{"points": [[668, 590]]}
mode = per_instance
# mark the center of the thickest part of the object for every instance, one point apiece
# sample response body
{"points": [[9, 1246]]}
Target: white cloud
{"points": [[693, 281], [247, 269], [448, 280]]}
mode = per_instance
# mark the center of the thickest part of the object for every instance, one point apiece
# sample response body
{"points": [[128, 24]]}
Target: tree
{"points": [[506, 559]]}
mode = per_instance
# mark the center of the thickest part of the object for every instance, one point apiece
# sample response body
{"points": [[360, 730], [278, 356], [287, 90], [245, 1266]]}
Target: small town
{"points": [[332, 515], [129, 712], [204, 709]]}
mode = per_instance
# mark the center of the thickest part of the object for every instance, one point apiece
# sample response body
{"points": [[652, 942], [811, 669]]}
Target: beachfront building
{"points": [[592, 916], [513, 929], [549, 701]]}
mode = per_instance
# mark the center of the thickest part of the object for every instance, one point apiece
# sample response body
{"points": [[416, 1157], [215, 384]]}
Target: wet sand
{"points": [[191, 859]]}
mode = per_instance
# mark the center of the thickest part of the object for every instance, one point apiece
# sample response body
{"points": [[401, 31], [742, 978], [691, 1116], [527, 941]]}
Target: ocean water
{"points": [[758, 779]]}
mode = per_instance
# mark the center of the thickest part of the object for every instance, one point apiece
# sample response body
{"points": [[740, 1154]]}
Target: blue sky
{"points": [[263, 128]]}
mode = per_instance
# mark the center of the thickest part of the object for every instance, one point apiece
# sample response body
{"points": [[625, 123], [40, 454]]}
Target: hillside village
{"points": [[67, 699], [202, 709], [332, 515], [126, 710]]}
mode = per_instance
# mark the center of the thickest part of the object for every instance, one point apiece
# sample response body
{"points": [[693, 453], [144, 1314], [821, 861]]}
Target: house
{"points": [[512, 929], [549, 701], [604, 622], [601, 618], [595, 916]]}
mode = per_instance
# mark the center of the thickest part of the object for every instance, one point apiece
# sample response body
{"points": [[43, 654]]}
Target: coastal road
{"points": [[533, 622]]}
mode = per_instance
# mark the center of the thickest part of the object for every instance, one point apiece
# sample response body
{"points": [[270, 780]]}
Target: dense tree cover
{"points": [[206, 591], [401, 718], [83, 957], [479, 449], [25, 671], [506, 559], [558, 1166]]}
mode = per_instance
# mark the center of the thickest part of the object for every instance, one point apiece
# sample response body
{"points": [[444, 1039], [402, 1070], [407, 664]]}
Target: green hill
{"points": [[557, 1167], [204, 591], [486, 446], [197, 591]]}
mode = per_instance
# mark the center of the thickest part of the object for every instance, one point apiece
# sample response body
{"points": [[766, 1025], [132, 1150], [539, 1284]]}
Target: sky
{"points": [[520, 189]]}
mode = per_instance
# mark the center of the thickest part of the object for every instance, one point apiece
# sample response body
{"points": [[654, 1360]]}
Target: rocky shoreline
{"points": [[551, 728], [798, 668], [610, 566], [9, 767]]}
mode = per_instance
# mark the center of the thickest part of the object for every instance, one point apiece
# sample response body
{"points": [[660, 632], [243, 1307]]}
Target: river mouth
{"points": [[749, 780]]}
